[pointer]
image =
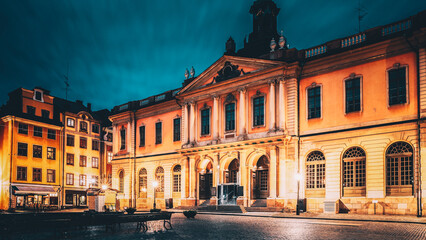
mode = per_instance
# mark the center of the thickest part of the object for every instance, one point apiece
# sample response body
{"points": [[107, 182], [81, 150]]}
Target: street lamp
{"points": [[154, 184], [298, 178], [104, 187]]}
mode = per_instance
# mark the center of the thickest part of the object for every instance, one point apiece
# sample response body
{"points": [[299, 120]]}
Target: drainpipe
{"points": [[134, 159], [62, 193], [419, 162], [11, 166], [302, 65]]}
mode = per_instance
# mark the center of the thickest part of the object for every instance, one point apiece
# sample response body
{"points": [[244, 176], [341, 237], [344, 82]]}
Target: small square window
{"points": [[70, 140], [70, 122], [51, 153], [83, 126], [95, 145], [38, 131], [21, 174], [45, 113], [70, 179], [23, 128], [51, 134], [37, 151], [31, 110], [83, 142], [95, 128], [38, 95], [37, 174], [70, 159], [22, 149], [83, 161], [95, 162]]}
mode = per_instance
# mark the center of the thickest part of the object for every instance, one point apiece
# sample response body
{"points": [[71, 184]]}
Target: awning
{"points": [[21, 189]]}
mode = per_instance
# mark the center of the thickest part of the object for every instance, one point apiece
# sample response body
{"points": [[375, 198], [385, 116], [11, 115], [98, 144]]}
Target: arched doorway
{"points": [[231, 174], [206, 182], [260, 179]]}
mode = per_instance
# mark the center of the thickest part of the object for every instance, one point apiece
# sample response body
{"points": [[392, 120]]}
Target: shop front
{"points": [[75, 198], [35, 197]]}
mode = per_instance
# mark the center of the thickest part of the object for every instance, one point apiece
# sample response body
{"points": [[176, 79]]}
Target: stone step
{"points": [[263, 209], [220, 208]]}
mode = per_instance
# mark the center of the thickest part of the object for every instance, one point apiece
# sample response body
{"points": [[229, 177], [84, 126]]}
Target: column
{"points": [[183, 178], [114, 139], [215, 117], [282, 168], [185, 128], [273, 173], [281, 103], [192, 177], [242, 113], [192, 123], [271, 105]]}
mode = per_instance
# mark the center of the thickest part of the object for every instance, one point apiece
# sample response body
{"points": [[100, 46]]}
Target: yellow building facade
{"points": [[338, 127]]}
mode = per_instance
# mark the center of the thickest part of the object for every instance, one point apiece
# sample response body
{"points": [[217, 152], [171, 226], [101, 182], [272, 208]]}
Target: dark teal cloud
{"points": [[125, 50]]}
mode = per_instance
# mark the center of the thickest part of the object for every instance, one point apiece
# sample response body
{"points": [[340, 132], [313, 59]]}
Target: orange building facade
{"points": [[338, 127], [36, 136]]}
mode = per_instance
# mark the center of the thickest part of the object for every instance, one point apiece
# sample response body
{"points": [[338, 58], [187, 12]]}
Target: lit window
{"points": [[70, 159], [83, 126], [399, 169], [315, 170], [143, 183], [51, 176], [51, 153], [37, 175], [95, 162], [83, 161], [37, 151], [70, 179], [159, 177], [70, 122], [177, 178], [82, 180]]}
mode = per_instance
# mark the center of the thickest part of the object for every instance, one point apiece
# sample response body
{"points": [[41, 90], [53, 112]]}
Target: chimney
{"points": [[89, 106]]}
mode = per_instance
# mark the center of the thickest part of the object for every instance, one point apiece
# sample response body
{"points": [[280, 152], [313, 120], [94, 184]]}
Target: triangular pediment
{"points": [[228, 67]]}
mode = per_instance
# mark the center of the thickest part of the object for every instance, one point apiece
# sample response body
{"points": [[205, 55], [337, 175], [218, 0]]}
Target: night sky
{"points": [[126, 50]]}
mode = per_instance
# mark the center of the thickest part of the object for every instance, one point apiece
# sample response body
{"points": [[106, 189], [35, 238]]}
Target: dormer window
{"points": [[38, 95]]}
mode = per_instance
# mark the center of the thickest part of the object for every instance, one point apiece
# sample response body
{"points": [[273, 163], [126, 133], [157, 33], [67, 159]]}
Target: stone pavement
{"points": [[328, 216]]}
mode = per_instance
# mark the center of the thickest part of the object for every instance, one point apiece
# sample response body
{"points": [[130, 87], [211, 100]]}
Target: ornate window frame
{"points": [[407, 80], [351, 77], [258, 94]]}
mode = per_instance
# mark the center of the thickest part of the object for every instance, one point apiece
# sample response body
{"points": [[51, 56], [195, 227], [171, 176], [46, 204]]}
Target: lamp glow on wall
{"points": [[298, 177], [104, 187], [155, 185]]}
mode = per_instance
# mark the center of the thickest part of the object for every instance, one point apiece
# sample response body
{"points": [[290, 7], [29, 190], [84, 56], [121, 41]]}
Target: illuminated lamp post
{"points": [[298, 178], [154, 184], [104, 187]]}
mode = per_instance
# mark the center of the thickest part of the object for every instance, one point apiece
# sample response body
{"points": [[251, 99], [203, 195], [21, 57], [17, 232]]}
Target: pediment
{"points": [[229, 67]]}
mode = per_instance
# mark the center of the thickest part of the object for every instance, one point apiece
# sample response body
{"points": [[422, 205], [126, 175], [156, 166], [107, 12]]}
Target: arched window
{"points": [[121, 181], [399, 169], [315, 172], [177, 178], [143, 183], [232, 174], [159, 177], [354, 172]]}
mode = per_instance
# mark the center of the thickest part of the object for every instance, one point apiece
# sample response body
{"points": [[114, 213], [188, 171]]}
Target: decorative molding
{"points": [[228, 71], [242, 89], [272, 81]]}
